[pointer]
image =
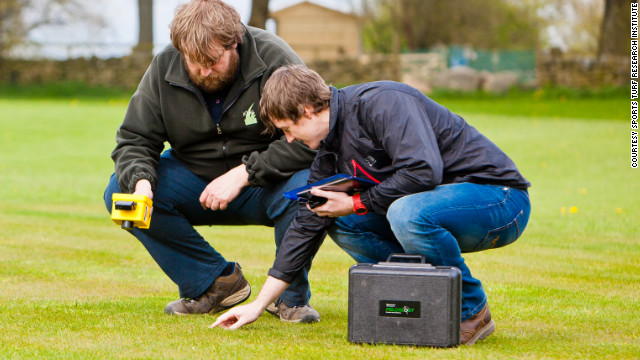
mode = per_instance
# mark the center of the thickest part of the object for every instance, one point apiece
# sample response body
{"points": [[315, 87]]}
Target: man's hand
{"points": [[246, 314], [223, 189], [239, 316], [338, 203], [143, 187]]}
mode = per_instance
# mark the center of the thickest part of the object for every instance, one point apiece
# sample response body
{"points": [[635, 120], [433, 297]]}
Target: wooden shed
{"points": [[318, 33]]}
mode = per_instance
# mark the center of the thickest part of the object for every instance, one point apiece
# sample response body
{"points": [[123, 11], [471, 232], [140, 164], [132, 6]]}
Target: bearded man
{"points": [[201, 95]]}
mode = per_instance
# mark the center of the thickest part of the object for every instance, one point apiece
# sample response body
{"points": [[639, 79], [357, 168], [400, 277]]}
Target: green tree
{"points": [[15, 26], [11, 25], [421, 24]]}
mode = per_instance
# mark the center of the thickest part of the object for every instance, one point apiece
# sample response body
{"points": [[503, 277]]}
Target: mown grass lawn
{"points": [[74, 285]]}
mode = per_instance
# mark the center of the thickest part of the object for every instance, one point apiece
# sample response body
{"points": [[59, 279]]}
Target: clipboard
{"points": [[340, 182]]}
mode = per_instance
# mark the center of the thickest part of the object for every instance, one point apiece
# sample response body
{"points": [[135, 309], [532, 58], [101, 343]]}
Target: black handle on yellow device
{"points": [[125, 205]]}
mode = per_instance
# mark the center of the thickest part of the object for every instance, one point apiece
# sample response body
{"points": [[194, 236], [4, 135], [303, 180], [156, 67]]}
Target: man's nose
{"points": [[205, 71]]}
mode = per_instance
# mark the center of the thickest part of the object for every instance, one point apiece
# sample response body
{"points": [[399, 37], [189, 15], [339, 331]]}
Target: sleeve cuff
{"points": [[248, 162], [365, 199], [139, 176], [280, 275]]}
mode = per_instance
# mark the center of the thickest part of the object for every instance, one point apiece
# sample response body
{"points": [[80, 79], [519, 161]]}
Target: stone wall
{"points": [[126, 72], [583, 72], [364, 69], [122, 73]]}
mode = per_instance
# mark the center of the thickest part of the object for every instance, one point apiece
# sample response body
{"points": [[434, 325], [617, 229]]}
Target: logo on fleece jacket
{"points": [[250, 116]]}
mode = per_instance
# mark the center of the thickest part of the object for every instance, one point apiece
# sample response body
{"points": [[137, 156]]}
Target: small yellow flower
{"points": [[563, 210], [538, 94], [619, 210], [573, 210], [583, 191]]}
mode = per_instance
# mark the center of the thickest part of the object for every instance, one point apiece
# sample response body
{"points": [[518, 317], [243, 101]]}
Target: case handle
{"points": [[399, 257]]}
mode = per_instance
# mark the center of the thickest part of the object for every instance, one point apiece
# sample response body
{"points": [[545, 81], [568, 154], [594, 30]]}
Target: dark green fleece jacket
{"points": [[168, 107]]}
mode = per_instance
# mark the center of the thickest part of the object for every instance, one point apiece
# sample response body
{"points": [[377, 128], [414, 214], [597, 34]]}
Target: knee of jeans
{"points": [[112, 187], [407, 218], [336, 235], [300, 178], [401, 214], [352, 243], [345, 235]]}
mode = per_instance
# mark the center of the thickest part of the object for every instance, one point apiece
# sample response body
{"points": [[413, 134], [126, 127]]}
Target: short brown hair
{"points": [[288, 91], [201, 25]]}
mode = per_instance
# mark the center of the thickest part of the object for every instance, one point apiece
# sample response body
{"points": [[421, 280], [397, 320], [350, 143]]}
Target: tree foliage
{"points": [[11, 26], [422, 24], [19, 17], [571, 25], [584, 27]]}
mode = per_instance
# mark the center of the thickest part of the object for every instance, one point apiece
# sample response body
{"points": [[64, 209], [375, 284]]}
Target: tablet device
{"points": [[340, 182]]}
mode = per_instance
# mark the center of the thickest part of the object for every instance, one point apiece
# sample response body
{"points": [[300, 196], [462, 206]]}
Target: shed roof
{"points": [[288, 9]]}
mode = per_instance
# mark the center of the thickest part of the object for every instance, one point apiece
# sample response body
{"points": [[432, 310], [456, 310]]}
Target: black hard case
{"points": [[404, 303]]}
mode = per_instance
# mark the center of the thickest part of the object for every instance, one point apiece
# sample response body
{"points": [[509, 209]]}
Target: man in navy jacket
{"points": [[443, 187]]}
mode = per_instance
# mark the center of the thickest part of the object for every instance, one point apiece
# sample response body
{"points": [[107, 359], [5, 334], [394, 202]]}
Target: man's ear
{"points": [[308, 111]]}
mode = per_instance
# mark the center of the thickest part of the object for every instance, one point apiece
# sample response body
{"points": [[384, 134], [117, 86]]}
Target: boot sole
{"points": [[483, 333], [233, 300], [305, 320], [273, 310]]}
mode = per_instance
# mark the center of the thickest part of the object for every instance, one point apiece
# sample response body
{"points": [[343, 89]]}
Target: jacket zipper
{"points": [[224, 153], [203, 103], [356, 167]]}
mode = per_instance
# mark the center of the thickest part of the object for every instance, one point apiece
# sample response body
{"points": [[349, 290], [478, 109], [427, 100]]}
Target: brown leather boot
{"points": [[477, 327], [225, 292], [297, 314]]}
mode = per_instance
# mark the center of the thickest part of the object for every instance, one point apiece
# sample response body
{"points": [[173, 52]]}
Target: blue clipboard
{"points": [[340, 182]]}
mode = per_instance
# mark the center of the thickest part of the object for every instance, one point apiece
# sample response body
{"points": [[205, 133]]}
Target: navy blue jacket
{"points": [[396, 135]]}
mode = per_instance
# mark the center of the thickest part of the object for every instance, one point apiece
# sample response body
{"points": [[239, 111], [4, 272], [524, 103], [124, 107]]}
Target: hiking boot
{"points": [[296, 314], [477, 327], [225, 292]]}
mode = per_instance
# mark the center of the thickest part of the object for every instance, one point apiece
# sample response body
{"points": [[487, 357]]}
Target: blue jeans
{"points": [[440, 224], [182, 253]]}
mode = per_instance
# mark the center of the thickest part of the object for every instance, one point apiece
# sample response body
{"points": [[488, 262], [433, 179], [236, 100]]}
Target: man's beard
{"points": [[217, 82]]}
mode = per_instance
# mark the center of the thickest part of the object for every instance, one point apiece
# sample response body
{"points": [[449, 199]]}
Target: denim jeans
{"points": [[182, 253], [440, 224]]}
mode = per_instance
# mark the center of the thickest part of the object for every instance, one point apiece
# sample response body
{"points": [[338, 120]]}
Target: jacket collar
{"points": [[333, 137], [251, 65], [176, 72]]}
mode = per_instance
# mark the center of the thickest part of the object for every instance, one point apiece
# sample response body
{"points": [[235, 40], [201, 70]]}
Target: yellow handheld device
{"points": [[130, 210]]}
